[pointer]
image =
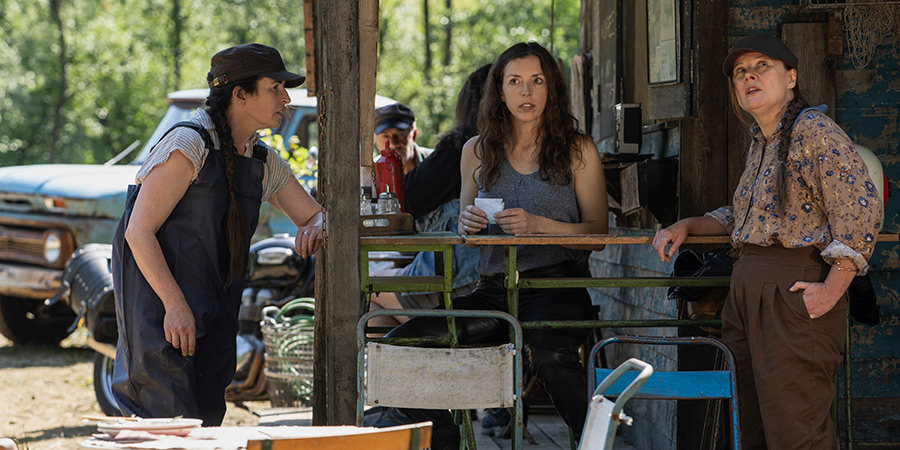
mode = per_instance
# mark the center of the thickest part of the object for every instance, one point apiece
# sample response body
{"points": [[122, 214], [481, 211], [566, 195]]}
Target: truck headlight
{"points": [[54, 204], [58, 247]]}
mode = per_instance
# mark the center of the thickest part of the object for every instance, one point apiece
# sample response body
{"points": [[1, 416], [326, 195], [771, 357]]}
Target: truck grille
{"points": [[34, 248], [22, 245]]}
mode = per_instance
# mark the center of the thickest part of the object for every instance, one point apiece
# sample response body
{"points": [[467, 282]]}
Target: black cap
{"points": [[397, 116], [767, 45], [244, 61]]}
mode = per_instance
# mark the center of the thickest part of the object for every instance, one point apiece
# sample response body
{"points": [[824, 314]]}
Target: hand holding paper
{"points": [[490, 206]]}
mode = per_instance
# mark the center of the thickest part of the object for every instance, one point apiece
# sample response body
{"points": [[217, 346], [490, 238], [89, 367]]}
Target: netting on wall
{"points": [[867, 23], [868, 26]]}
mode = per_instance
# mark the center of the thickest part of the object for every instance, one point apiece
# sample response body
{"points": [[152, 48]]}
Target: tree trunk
{"points": [[448, 34], [177, 27], [429, 95], [61, 93], [427, 23]]}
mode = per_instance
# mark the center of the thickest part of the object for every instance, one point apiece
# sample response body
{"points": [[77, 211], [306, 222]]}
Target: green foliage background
{"points": [[481, 30], [120, 60]]}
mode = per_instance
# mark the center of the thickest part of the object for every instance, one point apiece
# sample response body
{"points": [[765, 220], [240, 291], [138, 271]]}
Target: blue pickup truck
{"points": [[49, 210]]}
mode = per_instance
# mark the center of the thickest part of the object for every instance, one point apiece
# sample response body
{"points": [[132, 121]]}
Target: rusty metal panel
{"points": [[855, 88], [875, 378], [29, 281], [874, 418]]}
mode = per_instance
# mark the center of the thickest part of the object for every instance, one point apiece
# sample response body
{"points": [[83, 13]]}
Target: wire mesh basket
{"points": [[288, 337]]}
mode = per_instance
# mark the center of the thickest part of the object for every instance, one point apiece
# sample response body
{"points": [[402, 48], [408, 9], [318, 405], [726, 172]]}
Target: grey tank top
{"points": [[538, 197]]}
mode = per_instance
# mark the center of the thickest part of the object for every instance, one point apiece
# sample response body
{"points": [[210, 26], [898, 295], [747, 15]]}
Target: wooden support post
{"points": [[337, 273], [320, 350], [310, 46]]}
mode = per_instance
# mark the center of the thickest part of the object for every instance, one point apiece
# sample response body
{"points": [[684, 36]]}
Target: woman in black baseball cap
{"points": [[804, 219], [179, 253]]}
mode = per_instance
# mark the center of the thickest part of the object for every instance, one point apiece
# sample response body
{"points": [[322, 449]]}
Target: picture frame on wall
{"points": [[662, 42]]}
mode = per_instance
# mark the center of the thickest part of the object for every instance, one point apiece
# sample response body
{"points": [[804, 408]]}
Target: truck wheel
{"points": [[103, 372], [29, 321]]}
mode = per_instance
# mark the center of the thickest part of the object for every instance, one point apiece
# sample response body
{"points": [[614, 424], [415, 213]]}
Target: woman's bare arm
{"points": [[161, 190]]}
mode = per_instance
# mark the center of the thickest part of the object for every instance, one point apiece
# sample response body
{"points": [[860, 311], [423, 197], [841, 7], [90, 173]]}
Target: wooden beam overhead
{"points": [[310, 46], [368, 42]]}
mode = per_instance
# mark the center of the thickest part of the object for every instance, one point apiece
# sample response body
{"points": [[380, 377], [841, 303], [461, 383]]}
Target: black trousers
{"points": [[551, 354]]}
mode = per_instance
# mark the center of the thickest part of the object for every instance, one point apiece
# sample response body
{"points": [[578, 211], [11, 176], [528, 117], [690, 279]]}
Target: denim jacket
{"points": [[445, 218]]}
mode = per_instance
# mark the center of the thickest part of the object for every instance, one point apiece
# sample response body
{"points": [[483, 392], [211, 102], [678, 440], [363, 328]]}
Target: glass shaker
{"points": [[365, 203], [387, 203]]}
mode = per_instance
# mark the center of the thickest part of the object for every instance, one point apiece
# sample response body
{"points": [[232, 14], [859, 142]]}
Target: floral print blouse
{"points": [[831, 203]]}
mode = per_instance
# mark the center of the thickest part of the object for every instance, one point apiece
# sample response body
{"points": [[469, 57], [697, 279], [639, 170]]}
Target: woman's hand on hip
{"points": [[180, 328], [472, 220], [818, 297]]}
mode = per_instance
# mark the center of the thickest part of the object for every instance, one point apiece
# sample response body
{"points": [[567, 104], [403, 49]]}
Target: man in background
{"points": [[396, 124], [432, 197]]}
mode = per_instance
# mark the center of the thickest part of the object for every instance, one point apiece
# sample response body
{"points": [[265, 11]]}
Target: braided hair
{"points": [[236, 227], [794, 108]]}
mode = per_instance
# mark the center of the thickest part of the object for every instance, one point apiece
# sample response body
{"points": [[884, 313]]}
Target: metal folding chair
{"points": [[677, 385], [404, 376]]}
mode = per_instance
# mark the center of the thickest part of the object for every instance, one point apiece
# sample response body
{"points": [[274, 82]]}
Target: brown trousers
{"points": [[786, 362]]}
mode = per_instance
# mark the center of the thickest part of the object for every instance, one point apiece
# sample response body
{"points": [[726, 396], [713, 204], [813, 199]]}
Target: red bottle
{"points": [[389, 174]]}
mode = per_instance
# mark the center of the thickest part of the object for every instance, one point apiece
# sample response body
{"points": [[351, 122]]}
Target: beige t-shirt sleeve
{"points": [[278, 173], [188, 142], [183, 139]]}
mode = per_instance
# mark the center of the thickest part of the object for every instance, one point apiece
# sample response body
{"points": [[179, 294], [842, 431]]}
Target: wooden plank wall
{"points": [[703, 152]]}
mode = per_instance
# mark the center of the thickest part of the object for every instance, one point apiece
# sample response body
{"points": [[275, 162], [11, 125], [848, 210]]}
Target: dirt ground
{"points": [[45, 391]]}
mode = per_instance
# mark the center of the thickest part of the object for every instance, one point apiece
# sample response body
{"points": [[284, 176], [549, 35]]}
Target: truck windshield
{"points": [[173, 115]]}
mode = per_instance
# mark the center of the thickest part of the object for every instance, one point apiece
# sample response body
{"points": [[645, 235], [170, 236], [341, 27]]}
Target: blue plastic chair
{"points": [[677, 385]]}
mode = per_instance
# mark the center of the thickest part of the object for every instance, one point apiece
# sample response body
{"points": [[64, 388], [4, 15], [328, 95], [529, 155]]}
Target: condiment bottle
{"points": [[365, 203], [389, 175], [388, 203]]}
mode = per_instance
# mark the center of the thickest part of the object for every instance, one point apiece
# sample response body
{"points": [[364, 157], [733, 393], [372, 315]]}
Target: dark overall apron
{"points": [[152, 378]]}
